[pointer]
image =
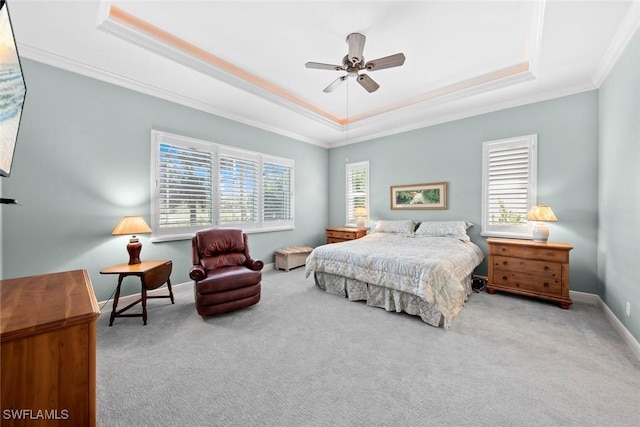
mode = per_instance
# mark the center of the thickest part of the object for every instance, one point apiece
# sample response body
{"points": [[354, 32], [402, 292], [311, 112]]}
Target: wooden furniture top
{"points": [[36, 304], [133, 269], [550, 245]]}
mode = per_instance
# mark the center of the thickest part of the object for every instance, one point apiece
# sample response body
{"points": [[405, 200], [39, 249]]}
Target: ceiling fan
{"points": [[353, 63]]}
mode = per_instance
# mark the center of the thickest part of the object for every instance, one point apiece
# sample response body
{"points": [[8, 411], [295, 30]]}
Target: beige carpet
{"points": [[302, 357]]}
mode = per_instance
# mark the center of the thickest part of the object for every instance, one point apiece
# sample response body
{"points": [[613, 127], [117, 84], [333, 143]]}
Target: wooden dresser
{"points": [[528, 268], [342, 234], [48, 350]]}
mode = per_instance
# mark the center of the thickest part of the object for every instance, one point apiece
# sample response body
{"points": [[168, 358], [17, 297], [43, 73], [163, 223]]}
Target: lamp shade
{"points": [[359, 212], [131, 225], [541, 213]]}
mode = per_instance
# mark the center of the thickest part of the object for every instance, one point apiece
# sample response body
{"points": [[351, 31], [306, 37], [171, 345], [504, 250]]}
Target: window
{"points": [[277, 187], [238, 188], [357, 180], [198, 184], [509, 186]]}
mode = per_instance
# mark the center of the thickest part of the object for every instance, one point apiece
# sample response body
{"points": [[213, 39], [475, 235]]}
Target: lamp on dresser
{"points": [[132, 225], [360, 213], [541, 214]]}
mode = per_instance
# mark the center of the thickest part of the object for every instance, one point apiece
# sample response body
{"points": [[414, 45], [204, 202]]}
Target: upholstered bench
{"points": [[292, 257]]}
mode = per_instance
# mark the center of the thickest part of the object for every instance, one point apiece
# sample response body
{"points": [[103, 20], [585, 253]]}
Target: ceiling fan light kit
{"points": [[354, 62]]}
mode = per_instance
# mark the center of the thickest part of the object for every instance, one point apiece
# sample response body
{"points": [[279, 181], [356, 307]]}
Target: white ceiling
{"points": [[245, 60]]}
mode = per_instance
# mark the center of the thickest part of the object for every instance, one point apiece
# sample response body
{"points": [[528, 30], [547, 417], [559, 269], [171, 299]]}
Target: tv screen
{"points": [[12, 91]]}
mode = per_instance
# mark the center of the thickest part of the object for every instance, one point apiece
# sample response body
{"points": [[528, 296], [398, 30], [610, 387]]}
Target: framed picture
{"points": [[419, 196]]}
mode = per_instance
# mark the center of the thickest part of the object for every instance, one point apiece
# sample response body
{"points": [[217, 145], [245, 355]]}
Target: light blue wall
{"points": [[619, 187], [567, 131], [83, 161]]}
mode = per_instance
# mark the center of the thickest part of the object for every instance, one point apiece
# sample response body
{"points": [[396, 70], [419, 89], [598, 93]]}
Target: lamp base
{"points": [[360, 222], [134, 247], [540, 233]]}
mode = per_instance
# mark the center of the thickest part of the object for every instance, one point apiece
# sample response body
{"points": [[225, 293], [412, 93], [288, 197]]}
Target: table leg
{"points": [[115, 300], [144, 303]]}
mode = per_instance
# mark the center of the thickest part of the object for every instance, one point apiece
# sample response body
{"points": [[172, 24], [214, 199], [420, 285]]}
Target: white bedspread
{"points": [[432, 268]]}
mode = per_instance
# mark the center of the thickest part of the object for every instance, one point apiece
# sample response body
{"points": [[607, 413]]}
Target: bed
{"points": [[424, 271]]}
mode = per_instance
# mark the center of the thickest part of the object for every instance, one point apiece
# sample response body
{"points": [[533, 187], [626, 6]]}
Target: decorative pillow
{"points": [[404, 227], [455, 229]]}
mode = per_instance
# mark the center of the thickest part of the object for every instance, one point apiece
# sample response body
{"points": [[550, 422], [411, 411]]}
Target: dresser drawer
{"points": [[348, 235], [527, 282], [525, 266], [336, 240], [530, 252]]}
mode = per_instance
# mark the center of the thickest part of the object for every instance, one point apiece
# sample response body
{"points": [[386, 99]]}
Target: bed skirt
{"points": [[389, 299]]}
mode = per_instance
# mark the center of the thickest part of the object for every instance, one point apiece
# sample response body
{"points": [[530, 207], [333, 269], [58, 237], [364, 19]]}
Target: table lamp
{"points": [[541, 214], [132, 225], [360, 213]]}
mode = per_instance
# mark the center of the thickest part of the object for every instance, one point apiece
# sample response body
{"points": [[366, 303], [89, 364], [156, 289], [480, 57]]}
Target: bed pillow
{"points": [[455, 229], [402, 227]]}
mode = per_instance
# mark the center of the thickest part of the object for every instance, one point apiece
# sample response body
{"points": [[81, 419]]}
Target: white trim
{"points": [[67, 64], [212, 66], [129, 28], [535, 35], [624, 333], [489, 108], [621, 39]]}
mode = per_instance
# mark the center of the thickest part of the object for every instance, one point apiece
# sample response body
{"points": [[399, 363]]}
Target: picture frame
{"points": [[432, 195]]}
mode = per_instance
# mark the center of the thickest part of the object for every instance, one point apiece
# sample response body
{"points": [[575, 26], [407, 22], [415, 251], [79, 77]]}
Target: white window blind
{"points": [[509, 186], [357, 191], [277, 185], [238, 188], [198, 184], [184, 186]]}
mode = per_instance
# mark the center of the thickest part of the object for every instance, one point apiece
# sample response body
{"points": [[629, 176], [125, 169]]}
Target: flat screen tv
{"points": [[12, 91]]}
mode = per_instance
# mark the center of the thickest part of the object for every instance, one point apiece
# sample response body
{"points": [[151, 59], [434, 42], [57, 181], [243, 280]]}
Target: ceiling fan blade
{"points": [[386, 62], [334, 84], [356, 47], [320, 66], [368, 83]]}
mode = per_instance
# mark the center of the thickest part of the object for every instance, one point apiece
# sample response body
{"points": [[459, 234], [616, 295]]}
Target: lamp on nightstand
{"points": [[132, 225], [541, 214], [360, 213]]}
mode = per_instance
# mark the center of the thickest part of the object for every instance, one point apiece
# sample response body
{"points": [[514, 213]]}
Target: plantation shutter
{"points": [[357, 191], [238, 188], [184, 187], [509, 187], [277, 189]]}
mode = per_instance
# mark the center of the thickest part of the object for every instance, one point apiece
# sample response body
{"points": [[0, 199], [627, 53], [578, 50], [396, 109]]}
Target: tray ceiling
{"points": [[245, 60]]}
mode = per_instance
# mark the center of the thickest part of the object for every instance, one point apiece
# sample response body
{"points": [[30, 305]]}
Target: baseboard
{"points": [[622, 330]]}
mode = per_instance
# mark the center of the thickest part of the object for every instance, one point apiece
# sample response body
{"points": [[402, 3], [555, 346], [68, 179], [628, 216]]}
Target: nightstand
{"points": [[342, 234], [530, 268]]}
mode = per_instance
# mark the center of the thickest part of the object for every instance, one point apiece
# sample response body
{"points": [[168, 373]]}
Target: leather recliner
{"points": [[226, 277]]}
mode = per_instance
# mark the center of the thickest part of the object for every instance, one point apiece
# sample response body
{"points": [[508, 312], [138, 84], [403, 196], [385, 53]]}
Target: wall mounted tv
{"points": [[12, 91]]}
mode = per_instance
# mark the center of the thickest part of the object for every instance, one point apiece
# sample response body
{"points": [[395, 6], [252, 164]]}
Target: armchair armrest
{"points": [[254, 264], [197, 272]]}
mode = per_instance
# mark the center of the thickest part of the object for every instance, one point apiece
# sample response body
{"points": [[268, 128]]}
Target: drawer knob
{"points": [[505, 263], [546, 285], [546, 268], [505, 278]]}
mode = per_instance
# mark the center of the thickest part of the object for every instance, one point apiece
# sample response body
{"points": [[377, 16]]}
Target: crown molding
{"points": [[472, 112], [618, 44], [140, 33], [67, 64]]}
